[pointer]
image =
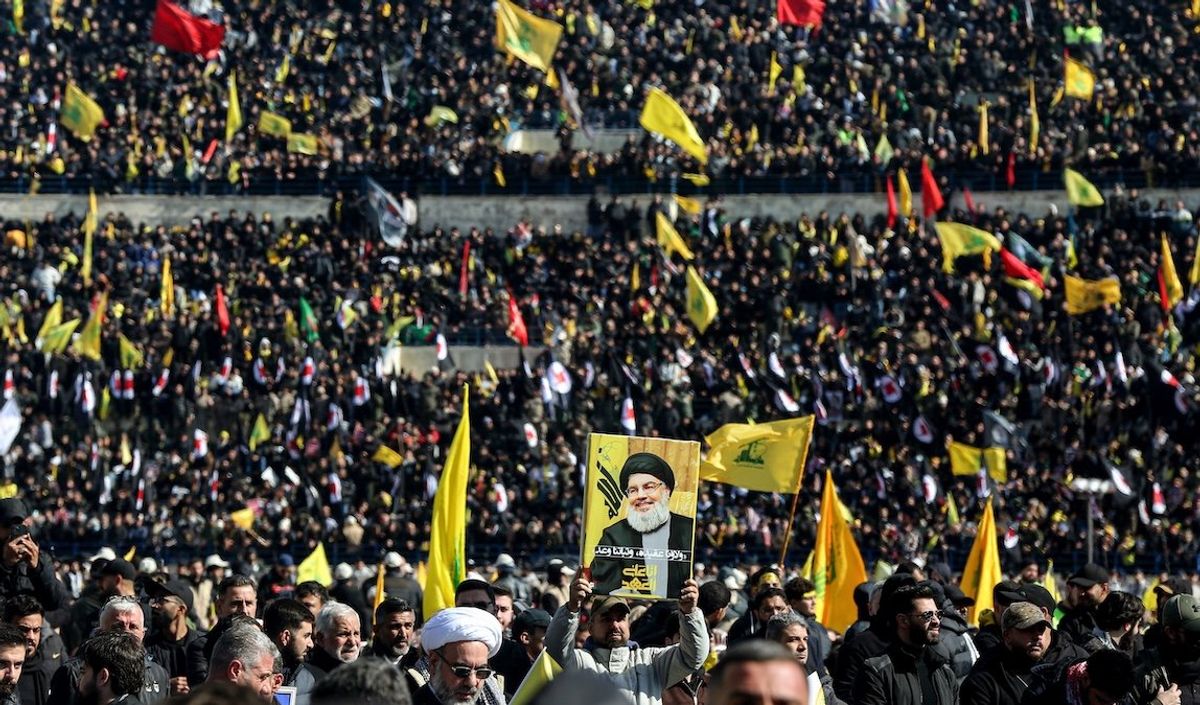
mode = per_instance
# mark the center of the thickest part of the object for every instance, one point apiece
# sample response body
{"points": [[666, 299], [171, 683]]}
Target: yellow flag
{"points": [[233, 114], [166, 296], [662, 115], [969, 460], [958, 240], [837, 564], [52, 320], [689, 205], [80, 113], [765, 457], [773, 74], [983, 565], [90, 223], [302, 143], [701, 304], [985, 144], [1034, 123], [1194, 274], [19, 16], [669, 239], [88, 344], [1167, 272], [543, 670], [498, 174], [387, 456], [130, 553], [1078, 80], [275, 125], [1085, 295], [906, 205], [698, 179], [316, 567], [131, 357], [1050, 583], [259, 434], [243, 519], [439, 114], [526, 36], [1027, 286], [1080, 191], [57, 338], [380, 593], [448, 537]]}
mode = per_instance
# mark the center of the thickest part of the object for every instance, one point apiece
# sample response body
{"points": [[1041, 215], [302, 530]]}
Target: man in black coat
{"points": [[635, 553], [1002, 675], [911, 671], [44, 651], [1088, 589], [871, 642]]}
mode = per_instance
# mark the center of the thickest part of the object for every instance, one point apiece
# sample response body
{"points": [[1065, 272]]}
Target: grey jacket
{"points": [[641, 674]]}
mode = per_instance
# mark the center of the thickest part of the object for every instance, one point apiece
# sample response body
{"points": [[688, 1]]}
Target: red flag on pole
{"points": [[180, 30], [463, 269], [969, 200], [1014, 267], [222, 310], [516, 322], [1010, 171], [806, 13], [893, 209], [931, 195]]}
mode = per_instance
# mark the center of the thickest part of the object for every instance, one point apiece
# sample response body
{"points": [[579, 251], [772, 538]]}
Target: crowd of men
{"points": [[365, 80]]}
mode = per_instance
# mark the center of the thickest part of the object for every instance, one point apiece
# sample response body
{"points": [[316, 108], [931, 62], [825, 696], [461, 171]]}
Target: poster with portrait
{"points": [[639, 514]]}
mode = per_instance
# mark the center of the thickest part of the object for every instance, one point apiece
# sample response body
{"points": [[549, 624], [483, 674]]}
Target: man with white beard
{"points": [[458, 642], [336, 641], [648, 553]]}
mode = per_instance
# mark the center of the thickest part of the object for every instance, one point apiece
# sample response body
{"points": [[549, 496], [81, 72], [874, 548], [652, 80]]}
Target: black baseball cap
{"points": [[1088, 576], [120, 567], [172, 588], [1008, 592], [12, 511], [1039, 596]]}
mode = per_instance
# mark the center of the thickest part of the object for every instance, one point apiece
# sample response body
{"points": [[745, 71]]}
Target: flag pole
{"points": [[787, 534]]}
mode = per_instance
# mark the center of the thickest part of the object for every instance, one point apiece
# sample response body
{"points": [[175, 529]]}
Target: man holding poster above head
{"points": [[646, 549]]}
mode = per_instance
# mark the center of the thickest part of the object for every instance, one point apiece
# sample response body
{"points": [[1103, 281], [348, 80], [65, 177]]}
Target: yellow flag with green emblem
{"points": [[57, 338], [526, 36], [1080, 191], [959, 240], [1170, 278], [274, 125], [765, 457], [131, 357], [1079, 81], [52, 320], [259, 434], [1085, 295], [303, 143], [701, 304], [669, 239], [80, 113], [837, 564], [662, 115], [983, 565], [88, 344], [387, 456], [447, 564], [233, 114]]}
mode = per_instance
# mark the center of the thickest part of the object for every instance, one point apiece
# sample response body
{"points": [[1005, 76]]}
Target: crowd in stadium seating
{"points": [[915, 75]]}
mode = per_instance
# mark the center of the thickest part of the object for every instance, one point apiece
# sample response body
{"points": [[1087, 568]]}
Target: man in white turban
{"points": [[458, 642]]}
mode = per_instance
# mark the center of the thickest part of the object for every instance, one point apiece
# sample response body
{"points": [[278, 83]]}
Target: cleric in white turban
{"points": [[458, 642]]}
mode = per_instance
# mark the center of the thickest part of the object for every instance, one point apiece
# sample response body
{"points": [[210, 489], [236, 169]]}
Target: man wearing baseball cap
{"points": [[22, 570], [1171, 673], [1001, 676], [1174, 585], [1086, 590], [642, 673], [170, 637]]}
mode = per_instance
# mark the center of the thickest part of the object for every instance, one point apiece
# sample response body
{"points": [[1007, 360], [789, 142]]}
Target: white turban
{"points": [[455, 624]]}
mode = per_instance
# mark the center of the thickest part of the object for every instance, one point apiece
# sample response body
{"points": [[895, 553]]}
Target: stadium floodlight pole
{"points": [[1091, 487]]}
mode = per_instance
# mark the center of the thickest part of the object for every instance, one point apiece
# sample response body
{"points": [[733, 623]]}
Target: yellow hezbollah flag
{"points": [[387, 456], [90, 223], [669, 239], [691, 206], [50, 322], [243, 518], [1194, 274], [1170, 279], [380, 593], [983, 565], [767, 457], [967, 460], [958, 240], [56, 338], [984, 143], [1034, 123], [448, 537], [80, 113], [233, 114], [259, 434], [698, 179], [88, 344], [837, 565], [773, 73], [1079, 80], [315, 567], [1085, 295], [701, 304], [1080, 191], [302, 143], [166, 296], [662, 115], [131, 357], [526, 36], [275, 125], [543, 670], [905, 194]]}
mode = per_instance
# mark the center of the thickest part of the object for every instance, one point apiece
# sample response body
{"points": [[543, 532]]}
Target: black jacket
{"points": [[903, 677], [610, 574], [64, 686], [999, 677], [172, 655], [853, 656], [34, 685], [1078, 625], [1158, 672], [22, 579]]}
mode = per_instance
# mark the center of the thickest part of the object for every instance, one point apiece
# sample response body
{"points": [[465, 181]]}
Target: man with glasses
{"points": [[660, 541], [458, 643], [910, 672], [168, 643]]}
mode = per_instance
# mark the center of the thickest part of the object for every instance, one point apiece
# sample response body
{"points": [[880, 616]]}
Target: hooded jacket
{"points": [[896, 678], [641, 673]]}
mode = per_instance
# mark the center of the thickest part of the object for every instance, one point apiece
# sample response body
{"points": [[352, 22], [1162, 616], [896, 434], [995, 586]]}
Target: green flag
{"points": [[308, 322]]}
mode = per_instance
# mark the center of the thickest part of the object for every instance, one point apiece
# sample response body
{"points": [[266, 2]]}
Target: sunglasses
{"points": [[482, 673], [929, 616]]}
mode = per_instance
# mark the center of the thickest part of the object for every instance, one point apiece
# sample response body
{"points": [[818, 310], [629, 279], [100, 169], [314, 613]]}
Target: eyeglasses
{"points": [[482, 673], [929, 616], [647, 488]]}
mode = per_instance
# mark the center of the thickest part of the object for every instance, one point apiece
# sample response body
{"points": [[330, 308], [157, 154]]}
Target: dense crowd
{"points": [[915, 75]]}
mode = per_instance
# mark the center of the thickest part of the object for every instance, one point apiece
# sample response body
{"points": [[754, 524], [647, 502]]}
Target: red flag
{"points": [[941, 300], [1163, 300], [516, 322], [893, 209], [222, 310], [462, 271], [806, 13], [180, 30], [931, 195], [1014, 267], [969, 199], [1010, 172]]}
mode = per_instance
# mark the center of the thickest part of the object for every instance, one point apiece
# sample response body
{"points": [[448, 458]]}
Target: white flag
{"points": [[10, 425], [391, 218]]}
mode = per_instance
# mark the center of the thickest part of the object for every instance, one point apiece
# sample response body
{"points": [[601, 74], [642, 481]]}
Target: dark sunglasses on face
{"points": [[929, 616], [482, 673]]}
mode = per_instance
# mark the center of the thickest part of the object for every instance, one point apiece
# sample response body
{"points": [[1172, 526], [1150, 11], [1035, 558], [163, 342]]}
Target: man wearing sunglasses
{"points": [[458, 642], [910, 672]]}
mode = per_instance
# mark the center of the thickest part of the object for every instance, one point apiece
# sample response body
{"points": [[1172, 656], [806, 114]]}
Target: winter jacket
{"points": [[40, 582], [643, 674], [1158, 672], [64, 686], [34, 684], [1000, 677], [956, 644], [896, 678], [853, 656]]}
